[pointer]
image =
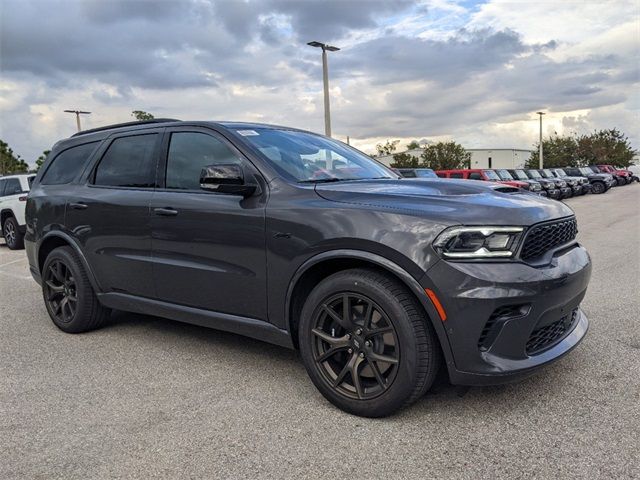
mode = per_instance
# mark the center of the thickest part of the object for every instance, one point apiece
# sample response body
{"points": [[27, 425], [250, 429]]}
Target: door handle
{"points": [[165, 212], [78, 206]]}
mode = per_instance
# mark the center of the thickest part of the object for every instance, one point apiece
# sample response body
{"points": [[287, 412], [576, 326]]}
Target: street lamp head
{"points": [[323, 46], [77, 112], [541, 113]]}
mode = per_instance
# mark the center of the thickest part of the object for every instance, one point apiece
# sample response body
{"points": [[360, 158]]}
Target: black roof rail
{"points": [[126, 124]]}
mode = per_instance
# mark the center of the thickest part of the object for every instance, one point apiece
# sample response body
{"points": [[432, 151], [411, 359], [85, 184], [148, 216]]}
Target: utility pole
{"points": [[540, 162], [325, 79], [78, 113]]}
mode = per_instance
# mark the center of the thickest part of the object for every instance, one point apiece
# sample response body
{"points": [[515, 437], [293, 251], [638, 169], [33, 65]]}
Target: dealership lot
{"points": [[146, 396]]}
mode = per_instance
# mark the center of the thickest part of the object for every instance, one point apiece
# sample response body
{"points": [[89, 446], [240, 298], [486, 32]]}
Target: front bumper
{"points": [[566, 192], [577, 190], [554, 193], [586, 188], [489, 347]]}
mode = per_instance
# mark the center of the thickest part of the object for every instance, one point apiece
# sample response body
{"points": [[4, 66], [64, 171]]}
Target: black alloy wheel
{"points": [[68, 294], [356, 346], [367, 343], [60, 291], [597, 188]]}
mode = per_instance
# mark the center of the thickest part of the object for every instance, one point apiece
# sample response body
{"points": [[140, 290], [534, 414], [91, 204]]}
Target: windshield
{"points": [[559, 172], [534, 174], [586, 170], [520, 175], [546, 173], [425, 173], [306, 157], [504, 175], [491, 175]]}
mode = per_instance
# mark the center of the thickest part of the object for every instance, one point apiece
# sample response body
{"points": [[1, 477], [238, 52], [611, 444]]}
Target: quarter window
{"points": [[189, 153], [128, 162], [12, 187], [68, 164]]}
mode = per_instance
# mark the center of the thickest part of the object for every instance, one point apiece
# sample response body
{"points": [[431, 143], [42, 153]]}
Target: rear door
{"points": [[109, 213], [208, 248]]}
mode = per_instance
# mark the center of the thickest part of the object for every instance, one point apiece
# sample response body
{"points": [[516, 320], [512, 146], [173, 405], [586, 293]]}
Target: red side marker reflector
{"points": [[22, 199], [436, 303]]}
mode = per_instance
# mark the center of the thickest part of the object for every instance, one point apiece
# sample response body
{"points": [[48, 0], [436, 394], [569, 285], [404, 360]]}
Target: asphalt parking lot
{"points": [[149, 397]]}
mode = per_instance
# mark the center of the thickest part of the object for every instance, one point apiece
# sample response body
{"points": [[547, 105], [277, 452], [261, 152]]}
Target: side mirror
{"points": [[225, 178]]}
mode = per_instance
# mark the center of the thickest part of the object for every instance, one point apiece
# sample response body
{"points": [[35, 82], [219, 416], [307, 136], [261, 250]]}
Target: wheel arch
{"points": [[4, 214], [56, 239], [328, 263]]}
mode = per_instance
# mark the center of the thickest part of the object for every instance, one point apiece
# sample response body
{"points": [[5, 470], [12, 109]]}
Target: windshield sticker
{"points": [[248, 133]]}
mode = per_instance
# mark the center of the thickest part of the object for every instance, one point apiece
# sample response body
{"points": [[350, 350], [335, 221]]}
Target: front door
{"points": [[208, 248]]}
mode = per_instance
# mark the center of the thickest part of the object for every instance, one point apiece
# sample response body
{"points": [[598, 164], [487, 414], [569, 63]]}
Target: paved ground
{"points": [[149, 397]]}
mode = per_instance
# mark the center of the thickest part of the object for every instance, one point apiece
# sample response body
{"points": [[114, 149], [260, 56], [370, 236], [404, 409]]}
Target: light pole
{"points": [[540, 159], [325, 79], [78, 113]]}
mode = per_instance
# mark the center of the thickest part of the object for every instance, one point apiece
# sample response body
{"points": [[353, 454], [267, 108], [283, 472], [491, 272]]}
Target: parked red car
{"points": [[616, 172], [489, 176]]}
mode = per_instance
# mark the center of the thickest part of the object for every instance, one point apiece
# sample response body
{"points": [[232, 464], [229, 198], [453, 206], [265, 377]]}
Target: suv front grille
{"points": [[542, 238], [545, 337]]}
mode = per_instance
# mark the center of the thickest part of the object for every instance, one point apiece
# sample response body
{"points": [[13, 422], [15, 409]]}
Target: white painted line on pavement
{"points": [[12, 262]]}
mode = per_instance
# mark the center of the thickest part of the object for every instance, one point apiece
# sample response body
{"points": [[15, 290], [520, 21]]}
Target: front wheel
{"points": [[366, 343], [598, 188], [12, 234]]}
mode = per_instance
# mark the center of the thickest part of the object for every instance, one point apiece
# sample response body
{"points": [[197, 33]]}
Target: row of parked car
{"points": [[556, 183]]}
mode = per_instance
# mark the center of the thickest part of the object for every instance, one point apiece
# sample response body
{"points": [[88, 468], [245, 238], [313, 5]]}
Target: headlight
{"points": [[563, 183], [536, 187], [478, 242]]}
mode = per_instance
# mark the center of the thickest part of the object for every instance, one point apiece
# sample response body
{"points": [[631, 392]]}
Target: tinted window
{"points": [[2, 184], [408, 173], [475, 176], [12, 187], [128, 162], [189, 153], [68, 164], [456, 175]]}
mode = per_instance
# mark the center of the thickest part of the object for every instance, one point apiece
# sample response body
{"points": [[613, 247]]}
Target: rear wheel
{"points": [[366, 343], [598, 187], [12, 235], [68, 295]]}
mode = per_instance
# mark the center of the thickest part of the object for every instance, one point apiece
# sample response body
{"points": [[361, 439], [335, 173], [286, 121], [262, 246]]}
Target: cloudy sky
{"points": [[437, 69]]}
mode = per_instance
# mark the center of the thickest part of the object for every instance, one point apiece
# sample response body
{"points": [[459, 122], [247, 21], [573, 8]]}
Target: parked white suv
{"points": [[13, 198]]}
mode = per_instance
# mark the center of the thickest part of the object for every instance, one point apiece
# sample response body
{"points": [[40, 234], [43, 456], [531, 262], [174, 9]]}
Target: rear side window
{"points": [[456, 175], [475, 176], [128, 162], [189, 153], [12, 187], [68, 164]]}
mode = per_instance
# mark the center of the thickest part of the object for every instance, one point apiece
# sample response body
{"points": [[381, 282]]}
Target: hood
{"points": [[448, 201]]}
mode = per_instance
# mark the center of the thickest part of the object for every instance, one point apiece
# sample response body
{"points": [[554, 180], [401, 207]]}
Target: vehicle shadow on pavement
{"points": [[284, 366]]}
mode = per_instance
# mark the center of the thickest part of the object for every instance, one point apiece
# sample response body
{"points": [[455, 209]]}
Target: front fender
{"points": [[410, 282]]}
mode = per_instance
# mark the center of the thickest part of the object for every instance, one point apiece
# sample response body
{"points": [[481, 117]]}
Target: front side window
{"points": [[305, 157], [128, 162], [189, 153], [68, 164]]}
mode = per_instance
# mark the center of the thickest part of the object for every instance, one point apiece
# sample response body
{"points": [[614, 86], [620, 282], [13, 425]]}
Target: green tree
{"points": [[142, 115], [445, 156], [413, 145], [9, 162], [404, 160], [605, 147], [387, 148], [41, 159], [557, 151]]}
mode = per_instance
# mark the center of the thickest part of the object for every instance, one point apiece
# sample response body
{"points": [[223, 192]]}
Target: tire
{"points": [[12, 235], [598, 187], [404, 336], [64, 278]]}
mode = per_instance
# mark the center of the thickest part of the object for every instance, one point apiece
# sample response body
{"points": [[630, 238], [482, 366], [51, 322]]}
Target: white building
{"points": [[480, 157], [498, 157]]}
